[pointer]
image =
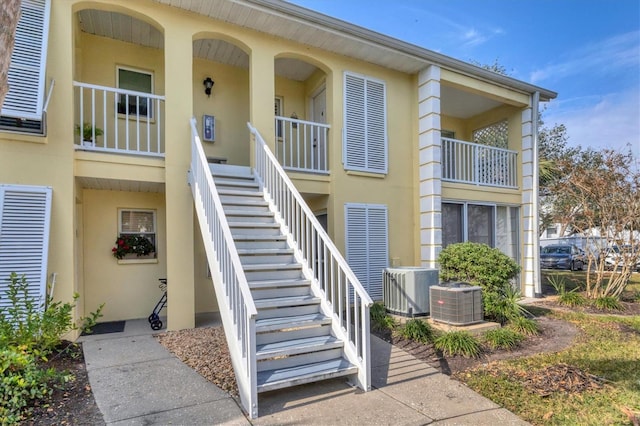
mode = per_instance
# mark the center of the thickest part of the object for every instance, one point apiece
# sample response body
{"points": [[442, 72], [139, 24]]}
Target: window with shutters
{"points": [[23, 105], [367, 244], [365, 124], [139, 223], [25, 217]]}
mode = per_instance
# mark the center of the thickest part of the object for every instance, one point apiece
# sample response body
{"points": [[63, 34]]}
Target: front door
{"points": [[319, 106]]}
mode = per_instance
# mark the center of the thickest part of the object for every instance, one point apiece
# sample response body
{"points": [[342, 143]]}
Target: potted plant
{"points": [[88, 132], [132, 244]]}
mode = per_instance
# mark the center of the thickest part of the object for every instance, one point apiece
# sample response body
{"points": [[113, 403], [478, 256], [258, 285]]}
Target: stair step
{"points": [[296, 347], [239, 193], [237, 183], [233, 171], [296, 282], [283, 302], [286, 377], [265, 252], [297, 321], [260, 216], [243, 203], [266, 256]]}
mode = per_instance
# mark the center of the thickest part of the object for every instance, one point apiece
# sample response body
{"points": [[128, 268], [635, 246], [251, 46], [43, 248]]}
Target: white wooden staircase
{"points": [[292, 309], [294, 343]]}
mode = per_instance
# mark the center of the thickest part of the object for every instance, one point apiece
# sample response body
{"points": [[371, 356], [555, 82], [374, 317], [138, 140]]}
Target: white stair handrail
{"points": [[340, 287], [237, 309]]}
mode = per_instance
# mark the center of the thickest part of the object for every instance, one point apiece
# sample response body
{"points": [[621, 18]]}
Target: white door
{"points": [[319, 106]]}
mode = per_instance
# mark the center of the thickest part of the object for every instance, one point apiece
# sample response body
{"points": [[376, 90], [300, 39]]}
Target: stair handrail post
{"points": [[264, 158], [237, 308]]}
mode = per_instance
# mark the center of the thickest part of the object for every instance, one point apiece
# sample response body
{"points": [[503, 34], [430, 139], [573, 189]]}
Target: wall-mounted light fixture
{"points": [[208, 84], [295, 117]]}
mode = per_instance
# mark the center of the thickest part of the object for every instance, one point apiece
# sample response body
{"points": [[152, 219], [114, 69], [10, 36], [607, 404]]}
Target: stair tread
{"points": [[276, 302], [248, 213], [244, 182], [272, 266], [297, 346], [241, 193], [253, 225], [287, 282], [278, 323], [291, 376], [257, 237], [265, 251]]}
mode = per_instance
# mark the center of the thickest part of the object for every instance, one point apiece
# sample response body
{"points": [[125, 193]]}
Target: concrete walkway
{"points": [[135, 381]]}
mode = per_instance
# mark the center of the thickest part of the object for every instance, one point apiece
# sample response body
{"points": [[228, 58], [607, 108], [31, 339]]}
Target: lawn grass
{"points": [[578, 279], [607, 348]]}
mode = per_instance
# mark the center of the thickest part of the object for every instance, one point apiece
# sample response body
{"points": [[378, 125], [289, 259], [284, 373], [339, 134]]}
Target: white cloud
{"points": [[609, 121], [618, 52]]}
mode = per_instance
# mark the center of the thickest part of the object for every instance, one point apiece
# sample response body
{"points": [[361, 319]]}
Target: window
{"points": [[138, 223], [136, 81], [365, 128], [367, 244], [278, 103], [448, 134], [25, 98], [496, 226]]}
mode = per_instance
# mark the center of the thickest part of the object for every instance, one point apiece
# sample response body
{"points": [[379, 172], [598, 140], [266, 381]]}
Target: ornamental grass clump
{"points": [[417, 330], [503, 338], [379, 319], [458, 343]]}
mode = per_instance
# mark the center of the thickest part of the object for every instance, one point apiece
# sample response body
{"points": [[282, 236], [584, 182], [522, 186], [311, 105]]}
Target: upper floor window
{"points": [[136, 81], [496, 135], [365, 124]]}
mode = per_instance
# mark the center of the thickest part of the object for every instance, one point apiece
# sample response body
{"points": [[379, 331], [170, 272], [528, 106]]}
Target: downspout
{"points": [[535, 202]]}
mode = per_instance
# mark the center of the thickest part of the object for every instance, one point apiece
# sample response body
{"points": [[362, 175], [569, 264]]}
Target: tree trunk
{"points": [[9, 16]]}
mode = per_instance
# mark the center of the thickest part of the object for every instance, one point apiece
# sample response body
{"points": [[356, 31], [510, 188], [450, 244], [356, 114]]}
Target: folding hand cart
{"points": [[154, 318]]}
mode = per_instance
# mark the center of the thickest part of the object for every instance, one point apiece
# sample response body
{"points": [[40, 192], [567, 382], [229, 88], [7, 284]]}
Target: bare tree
{"points": [[604, 190], [9, 17]]}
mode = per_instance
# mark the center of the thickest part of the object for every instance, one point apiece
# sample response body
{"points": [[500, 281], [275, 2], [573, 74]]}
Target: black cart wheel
{"points": [[156, 325], [153, 317]]}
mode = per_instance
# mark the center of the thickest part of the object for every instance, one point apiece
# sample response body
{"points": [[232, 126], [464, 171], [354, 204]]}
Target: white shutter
{"points": [[28, 62], [367, 244], [365, 134], [25, 215]]}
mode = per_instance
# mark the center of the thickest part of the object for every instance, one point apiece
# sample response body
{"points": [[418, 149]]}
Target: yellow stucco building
{"points": [[396, 150]]}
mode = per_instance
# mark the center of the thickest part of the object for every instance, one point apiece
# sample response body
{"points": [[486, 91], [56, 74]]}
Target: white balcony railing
{"points": [[477, 164], [302, 145], [334, 280], [120, 121]]}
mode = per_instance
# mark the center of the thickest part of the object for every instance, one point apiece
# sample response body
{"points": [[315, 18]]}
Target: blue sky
{"points": [[586, 50]]}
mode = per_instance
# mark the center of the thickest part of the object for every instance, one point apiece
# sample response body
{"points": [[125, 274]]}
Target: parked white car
{"points": [[616, 257]]}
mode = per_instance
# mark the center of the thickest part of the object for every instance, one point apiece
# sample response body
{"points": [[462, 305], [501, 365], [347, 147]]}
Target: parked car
{"points": [[562, 256], [617, 256]]}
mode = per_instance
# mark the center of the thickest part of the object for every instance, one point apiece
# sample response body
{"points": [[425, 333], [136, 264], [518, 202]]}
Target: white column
{"points": [[430, 168], [529, 214]]}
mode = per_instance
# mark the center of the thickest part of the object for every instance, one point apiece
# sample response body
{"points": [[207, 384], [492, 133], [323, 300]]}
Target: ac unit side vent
{"points": [[405, 290], [456, 303]]}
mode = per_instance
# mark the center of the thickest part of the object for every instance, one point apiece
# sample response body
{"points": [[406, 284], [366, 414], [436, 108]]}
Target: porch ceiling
{"points": [[120, 185], [460, 104]]}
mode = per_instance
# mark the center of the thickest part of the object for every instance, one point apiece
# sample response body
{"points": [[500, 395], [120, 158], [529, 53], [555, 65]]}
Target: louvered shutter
{"points": [[367, 244], [25, 214], [365, 134], [28, 61]]}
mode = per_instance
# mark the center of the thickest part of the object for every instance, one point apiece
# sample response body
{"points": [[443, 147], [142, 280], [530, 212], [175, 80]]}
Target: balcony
{"points": [[118, 121], [466, 162], [301, 146]]}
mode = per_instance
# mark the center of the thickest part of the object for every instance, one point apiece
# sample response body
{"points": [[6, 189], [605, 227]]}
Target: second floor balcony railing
{"points": [[302, 145], [118, 121], [477, 164]]}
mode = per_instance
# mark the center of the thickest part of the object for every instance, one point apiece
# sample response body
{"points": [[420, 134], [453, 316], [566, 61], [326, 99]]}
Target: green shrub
{"points": [[525, 326], [379, 319], [418, 330], [503, 338], [29, 333], [608, 303], [21, 381], [458, 343], [502, 306], [477, 264]]}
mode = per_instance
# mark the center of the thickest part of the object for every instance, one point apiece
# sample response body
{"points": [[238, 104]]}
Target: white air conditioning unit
{"points": [[456, 303], [405, 290]]}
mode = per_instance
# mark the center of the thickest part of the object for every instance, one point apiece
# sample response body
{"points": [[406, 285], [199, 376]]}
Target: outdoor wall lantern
{"points": [[208, 85], [295, 117]]}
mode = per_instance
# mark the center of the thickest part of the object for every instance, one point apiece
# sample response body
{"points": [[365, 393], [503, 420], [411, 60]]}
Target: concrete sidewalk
{"points": [[135, 381]]}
